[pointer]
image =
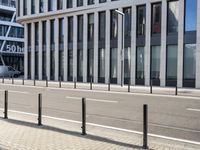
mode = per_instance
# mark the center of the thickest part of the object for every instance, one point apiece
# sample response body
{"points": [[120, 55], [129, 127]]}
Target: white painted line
{"points": [[11, 91], [192, 109], [91, 99], [112, 92], [108, 127]]}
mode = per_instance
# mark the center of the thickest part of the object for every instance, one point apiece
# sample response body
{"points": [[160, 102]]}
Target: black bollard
{"points": [[60, 84], [176, 90], [145, 127], [22, 81], [6, 105], [3, 80], [39, 109], [74, 83], [90, 83], [83, 117], [46, 81]]}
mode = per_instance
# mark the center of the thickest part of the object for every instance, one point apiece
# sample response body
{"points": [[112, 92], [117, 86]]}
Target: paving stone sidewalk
{"points": [[61, 135]]}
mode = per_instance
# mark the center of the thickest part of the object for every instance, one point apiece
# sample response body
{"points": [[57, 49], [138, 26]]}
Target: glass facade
{"points": [[90, 2], [61, 65], [114, 25], [70, 29], [90, 63], [102, 25], [41, 6], [127, 62], [69, 4], [155, 62], [59, 4], [90, 27], [189, 61], [156, 18], [80, 28], [79, 3], [32, 6], [172, 16], [50, 5], [52, 65], [141, 20], [101, 63], [70, 65], [172, 59], [127, 30], [113, 63], [190, 15], [140, 63], [80, 65]]}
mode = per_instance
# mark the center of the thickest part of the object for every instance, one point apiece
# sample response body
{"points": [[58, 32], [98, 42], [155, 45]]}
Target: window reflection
{"points": [[140, 63], [141, 20], [156, 18], [114, 24], [155, 62]]}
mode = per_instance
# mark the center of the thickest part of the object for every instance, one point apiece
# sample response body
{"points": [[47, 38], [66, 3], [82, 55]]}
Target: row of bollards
{"points": [[145, 117]]}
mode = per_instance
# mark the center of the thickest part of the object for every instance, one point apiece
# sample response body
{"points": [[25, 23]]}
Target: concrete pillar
{"points": [[26, 51], [120, 53], [96, 40], [56, 39], [133, 45], [85, 49], [147, 52], [198, 47], [40, 50], [21, 7], [65, 48], [163, 44], [37, 6], [29, 7], [32, 50], [48, 50], [107, 49], [75, 47], [45, 5], [64, 4], [180, 44]]}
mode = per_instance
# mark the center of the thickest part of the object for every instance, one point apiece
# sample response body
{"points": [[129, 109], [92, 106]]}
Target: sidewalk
{"points": [[63, 135], [104, 87]]}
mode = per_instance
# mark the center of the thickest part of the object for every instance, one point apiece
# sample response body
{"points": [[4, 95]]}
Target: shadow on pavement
{"points": [[72, 133]]}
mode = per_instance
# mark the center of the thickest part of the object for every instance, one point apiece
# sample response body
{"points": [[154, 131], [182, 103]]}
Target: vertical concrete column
{"points": [[120, 52], [198, 47], [64, 4], [85, 49], [45, 5], [65, 48], [133, 44], [56, 39], [96, 33], [147, 53], [85, 2], [107, 49], [74, 3], [48, 50], [55, 5], [37, 6], [29, 7], [26, 51], [21, 7], [163, 44], [32, 50], [40, 50], [75, 47], [180, 44]]}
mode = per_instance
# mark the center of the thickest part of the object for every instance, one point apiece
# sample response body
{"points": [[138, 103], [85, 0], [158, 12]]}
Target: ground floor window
{"points": [[36, 65], [80, 65], [90, 64], [140, 65], [127, 64], [44, 64], [70, 65], [61, 64], [52, 65], [101, 62], [155, 64], [113, 64], [29, 64]]}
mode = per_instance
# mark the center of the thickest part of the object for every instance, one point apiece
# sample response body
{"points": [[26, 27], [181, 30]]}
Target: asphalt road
{"points": [[171, 116]]}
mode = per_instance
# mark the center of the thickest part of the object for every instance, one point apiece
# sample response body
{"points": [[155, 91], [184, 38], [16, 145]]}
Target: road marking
{"points": [[107, 127], [192, 109], [91, 99], [111, 92], [11, 91]]}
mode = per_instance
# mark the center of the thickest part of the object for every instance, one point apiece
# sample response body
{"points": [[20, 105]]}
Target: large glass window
{"points": [[80, 64], [90, 62], [80, 28], [156, 18], [172, 51], [36, 65], [70, 64], [172, 15], [52, 64], [59, 4], [36, 35], [141, 20], [61, 33], [52, 41], [127, 62], [50, 5], [69, 4], [140, 63], [102, 1], [101, 63], [190, 15], [90, 27], [113, 63], [90, 2], [155, 62], [61, 64], [25, 7], [127, 30], [32, 6], [44, 35], [102, 25], [189, 61], [70, 29], [44, 64], [41, 6], [114, 24], [79, 3]]}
